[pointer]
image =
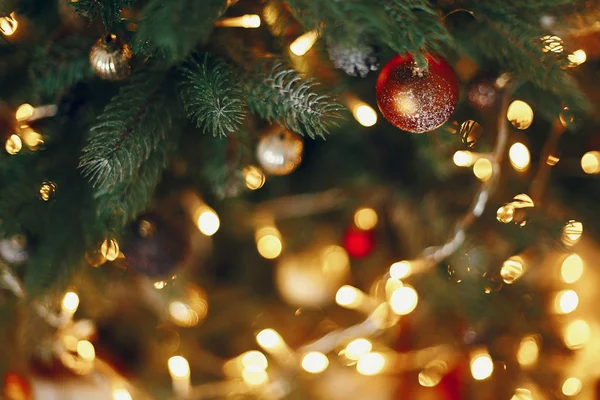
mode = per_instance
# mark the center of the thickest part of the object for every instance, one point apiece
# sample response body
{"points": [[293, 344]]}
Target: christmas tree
{"points": [[299, 199]]}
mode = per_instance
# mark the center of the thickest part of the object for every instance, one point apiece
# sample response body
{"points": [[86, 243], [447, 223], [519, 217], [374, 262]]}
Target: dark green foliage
{"points": [[280, 94], [212, 95], [61, 65], [171, 29], [133, 125], [109, 10], [7, 6]]}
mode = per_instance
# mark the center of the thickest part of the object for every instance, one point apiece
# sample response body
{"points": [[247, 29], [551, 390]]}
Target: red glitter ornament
{"points": [[16, 387], [417, 100], [359, 243]]}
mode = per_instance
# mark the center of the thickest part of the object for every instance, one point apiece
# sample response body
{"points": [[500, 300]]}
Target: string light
{"points": [[268, 242], [348, 296], [9, 24], [433, 373], [110, 249], [571, 268], [463, 158], [24, 112], [13, 144], [30, 137], [269, 339], [400, 269], [519, 156], [85, 350], [520, 114], [358, 348], [182, 314], [528, 352], [571, 232], [314, 362], [255, 377], [364, 113], [512, 269], [590, 162], [365, 218], [208, 221], [577, 57], [244, 21], [304, 43], [571, 386], [522, 394], [47, 190], [179, 369], [371, 364], [254, 177], [576, 334], [254, 360], [70, 302], [121, 394], [159, 284], [552, 43], [566, 301], [483, 169], [482, 366], [404, 300]]}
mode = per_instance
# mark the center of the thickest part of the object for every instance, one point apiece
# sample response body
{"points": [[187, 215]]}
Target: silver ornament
{"points": [[279, 152], [109, 58]]}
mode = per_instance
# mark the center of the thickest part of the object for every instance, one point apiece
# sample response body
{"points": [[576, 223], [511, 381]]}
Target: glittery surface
{"points": [[279, 152], [414, 100]]}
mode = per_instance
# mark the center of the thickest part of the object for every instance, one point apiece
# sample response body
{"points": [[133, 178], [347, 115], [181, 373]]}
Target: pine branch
{"points": [[212, 96], [171, 29], [108, 10], [61, 66], [281, 95], [133, 125]]}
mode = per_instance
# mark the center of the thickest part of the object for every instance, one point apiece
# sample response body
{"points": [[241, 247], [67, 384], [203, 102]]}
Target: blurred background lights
{"points": [[463, 158], [404, 300], [24, 112], [255, 377], [159, 284], [482, 367], [121, 394], [85, 350], [520, 114], [304, 43], [47, 191], [365, 115], [315, 362], [208, 222], [522, 394], [571, 268], [179, 367], [528, 351], [566, 301], [512, 269], [254, 177], [244, 21], [254, 360], [578, 57], [371, 364], [182, 314], [70, 302], [13, 144], [347, 296], [269, 339], [590, 162], [483, 169], [269, 246], [365, 218], [519, 156], [571, 386], [400, 269], [576, 334], [571, 232], [110, 249], [358, 348], [8, 24]]}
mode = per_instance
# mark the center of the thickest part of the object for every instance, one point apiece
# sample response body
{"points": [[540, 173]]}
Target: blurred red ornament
{"points": [[15, 387], [417, 99], [359, 243]]}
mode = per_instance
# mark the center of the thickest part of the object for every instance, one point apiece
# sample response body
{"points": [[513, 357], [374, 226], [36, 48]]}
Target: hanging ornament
{"points": [[417, 99], [16, 387], [153, 247], [279, 152], [110, 57], [359, 243], [354, 59]]}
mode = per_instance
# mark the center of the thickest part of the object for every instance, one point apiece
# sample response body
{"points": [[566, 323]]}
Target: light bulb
{"points": [[315, 362]]}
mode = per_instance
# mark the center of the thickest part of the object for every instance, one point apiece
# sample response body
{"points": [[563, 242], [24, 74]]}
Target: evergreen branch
{"points": [[281, 95], [61, 66], [109, 10], [212, 96], [171, 29], [133, 124]]}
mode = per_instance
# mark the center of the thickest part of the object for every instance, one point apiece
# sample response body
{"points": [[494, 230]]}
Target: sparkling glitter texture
{"points": [[416, 100]]}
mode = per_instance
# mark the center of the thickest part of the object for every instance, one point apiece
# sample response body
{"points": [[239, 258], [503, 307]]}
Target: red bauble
{"points": [[16, 387], [417, 100], [359, 243]]}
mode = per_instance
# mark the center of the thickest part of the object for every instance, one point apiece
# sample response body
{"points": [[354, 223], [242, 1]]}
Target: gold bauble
{"points": [[109, 58], [279, 151]]}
